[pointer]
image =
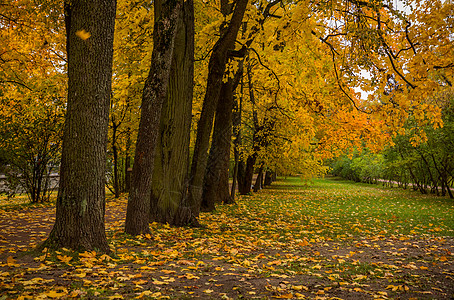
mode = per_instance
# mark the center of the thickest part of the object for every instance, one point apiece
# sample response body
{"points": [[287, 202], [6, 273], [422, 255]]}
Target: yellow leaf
{"points": [[81, 275], [284, 296], [299, 288], [303, 243], [83, 34], [88, 254], [143, 294], [55, 294], [140, 282], [11, 262], [64, 258], [208, 291], [233, 252]]}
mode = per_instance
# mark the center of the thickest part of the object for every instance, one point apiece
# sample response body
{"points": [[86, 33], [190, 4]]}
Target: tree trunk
{"points": [[245, 174], [167, 15], [116, 182], [268, 177], [216, 68], [216, 190], [236, 123], [127, 167], [170, 175], [79, 222], [258, 180]]}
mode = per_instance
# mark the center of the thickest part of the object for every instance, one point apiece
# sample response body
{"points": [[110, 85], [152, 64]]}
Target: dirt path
{"points": [[175, 263], [22, 230]]}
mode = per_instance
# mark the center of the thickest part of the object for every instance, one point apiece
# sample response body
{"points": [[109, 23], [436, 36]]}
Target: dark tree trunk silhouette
{"points": [[167, 15], [216, 68], [216, 181]]}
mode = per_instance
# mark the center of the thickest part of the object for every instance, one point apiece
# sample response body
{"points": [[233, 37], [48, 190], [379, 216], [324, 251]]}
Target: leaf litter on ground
{"points": [[329, 240]]}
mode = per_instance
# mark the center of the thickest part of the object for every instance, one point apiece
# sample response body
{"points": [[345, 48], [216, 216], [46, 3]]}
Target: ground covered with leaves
{"points": [[328, 240]]}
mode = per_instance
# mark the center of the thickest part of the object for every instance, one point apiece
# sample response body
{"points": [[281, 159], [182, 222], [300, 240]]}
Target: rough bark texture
{"points": [[170, 175], [216, 185], [216, 181], [167, 14], [216, 68], [79, 222]]}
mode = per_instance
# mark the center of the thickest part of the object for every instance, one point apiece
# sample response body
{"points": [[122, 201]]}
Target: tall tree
{"points": [[216, 181], [79, 219], [167, 16], [216, 69], [171, 164]]}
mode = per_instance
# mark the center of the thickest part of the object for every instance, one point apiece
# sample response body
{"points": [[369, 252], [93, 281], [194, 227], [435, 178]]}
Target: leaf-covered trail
{"points": [[329, 240]]}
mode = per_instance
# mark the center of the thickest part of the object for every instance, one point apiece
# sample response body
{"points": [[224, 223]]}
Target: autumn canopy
{"points": [[168, 100]]}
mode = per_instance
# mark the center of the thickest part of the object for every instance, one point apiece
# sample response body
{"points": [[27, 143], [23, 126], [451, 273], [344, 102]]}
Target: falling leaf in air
{"points": [[83, 34]]}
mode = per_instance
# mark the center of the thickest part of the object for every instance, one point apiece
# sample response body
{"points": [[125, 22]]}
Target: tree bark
{"points": [[79, 222], [259, 180], [246, 174], [216, 181], [170, 176], [167, 14], [216, 69], [216, 185], [116, 180], [236, 123], [268, 177]]}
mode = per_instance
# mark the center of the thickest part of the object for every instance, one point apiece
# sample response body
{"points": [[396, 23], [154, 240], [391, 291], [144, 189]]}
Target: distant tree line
{"points": [[426, 166]]}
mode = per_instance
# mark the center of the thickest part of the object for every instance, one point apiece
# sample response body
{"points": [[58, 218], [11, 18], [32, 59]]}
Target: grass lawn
{"points": [[331, 239]]}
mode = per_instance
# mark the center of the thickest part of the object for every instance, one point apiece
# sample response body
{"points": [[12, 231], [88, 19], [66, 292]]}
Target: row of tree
{"points": [[425, 165], [179, 91]]}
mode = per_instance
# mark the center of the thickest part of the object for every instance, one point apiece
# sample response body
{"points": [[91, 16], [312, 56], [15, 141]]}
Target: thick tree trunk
{"points": [[268, 177], [246, 174], [79, 222], [170, 176], [216, 68], [167, 14], [216, 181]]}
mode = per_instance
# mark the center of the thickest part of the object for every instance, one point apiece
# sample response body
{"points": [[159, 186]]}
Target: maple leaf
{"points": [[64, 258]]}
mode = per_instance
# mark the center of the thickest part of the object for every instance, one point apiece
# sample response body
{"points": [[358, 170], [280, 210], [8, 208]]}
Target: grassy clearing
{"points": [[335, 209], [329, 239]]}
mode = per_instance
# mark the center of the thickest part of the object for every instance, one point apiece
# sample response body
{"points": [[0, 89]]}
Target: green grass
{"points": [[334, 233], [332, 208]]}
